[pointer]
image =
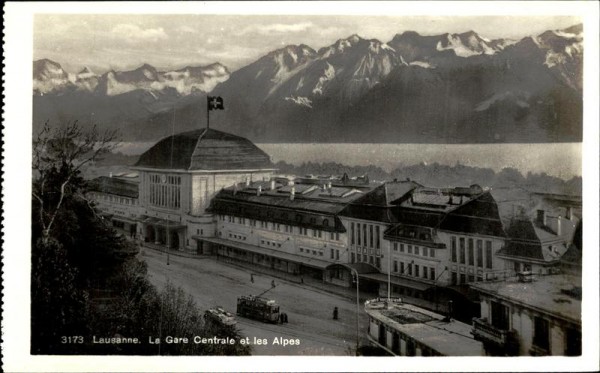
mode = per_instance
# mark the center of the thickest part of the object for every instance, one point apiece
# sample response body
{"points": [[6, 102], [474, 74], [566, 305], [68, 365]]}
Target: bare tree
{"points": [[59, 154]]}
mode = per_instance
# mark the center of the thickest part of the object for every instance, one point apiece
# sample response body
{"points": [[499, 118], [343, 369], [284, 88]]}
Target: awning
{"points": [[309, 262], [361, 268], [161, 222], [404, 282]]}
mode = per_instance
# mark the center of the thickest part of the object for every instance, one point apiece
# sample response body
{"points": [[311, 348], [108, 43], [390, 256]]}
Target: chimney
{"points": [[293, 193], [259, 190], [247, 181], [272, 184], [559, 226], [569, 213], [541, 217]]}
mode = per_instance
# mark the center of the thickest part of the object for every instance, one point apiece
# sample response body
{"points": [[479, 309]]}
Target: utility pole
{"points": [[357, 311]]}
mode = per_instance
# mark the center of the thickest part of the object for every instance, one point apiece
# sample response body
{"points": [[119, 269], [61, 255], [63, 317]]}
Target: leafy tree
{"points": [[86, 280]]}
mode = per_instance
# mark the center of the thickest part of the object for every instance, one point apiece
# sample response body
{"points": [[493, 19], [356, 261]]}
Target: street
{"points": [[309, 310]]}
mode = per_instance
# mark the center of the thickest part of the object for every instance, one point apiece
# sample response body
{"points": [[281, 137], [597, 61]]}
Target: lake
{"points": [[560, 159]]}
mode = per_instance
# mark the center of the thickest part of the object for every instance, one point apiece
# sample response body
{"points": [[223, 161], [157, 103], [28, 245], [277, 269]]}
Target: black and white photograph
{"points": [[382, 184]]}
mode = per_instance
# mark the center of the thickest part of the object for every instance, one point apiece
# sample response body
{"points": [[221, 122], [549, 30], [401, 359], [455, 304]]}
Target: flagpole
{"points": [[207, 113]]}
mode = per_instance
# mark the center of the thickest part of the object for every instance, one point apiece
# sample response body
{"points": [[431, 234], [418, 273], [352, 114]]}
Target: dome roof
{"points": [[205, 149]]}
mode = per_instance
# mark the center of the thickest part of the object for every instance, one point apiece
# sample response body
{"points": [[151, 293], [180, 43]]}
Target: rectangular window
{"points": [[454, 278], [409, 269], [370, 236], [378, 262], [401, 247], [461, 241], [470, 253], [358, 257], [425, 253], [358, 241], [352, 257], [331, 236], [365, 258], [416, 270], [352, 232], [395, 246], [488, 254], [480, 253], [401, 268], [395, 266], [409, 249], [371, 259], [463, 278], [331, 250], [453, 248], [337, 255], [377, 242], [416, 250], [337, 236], [573, 346], [432, 252], [432, 273], [500, 317], [364, 235], [541, 333]]}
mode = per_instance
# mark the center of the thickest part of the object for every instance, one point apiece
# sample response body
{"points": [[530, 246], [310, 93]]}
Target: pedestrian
{"points": [[301, 279], [285, 319], [281, 318], [252, 277], [335, 313], [272, 283]]}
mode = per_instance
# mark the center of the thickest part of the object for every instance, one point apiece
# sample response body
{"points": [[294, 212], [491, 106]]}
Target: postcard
{"points": [[273, 186]]}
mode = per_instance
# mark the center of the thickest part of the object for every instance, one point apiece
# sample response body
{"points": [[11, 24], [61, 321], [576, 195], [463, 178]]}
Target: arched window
{"points": [[325, 222]]}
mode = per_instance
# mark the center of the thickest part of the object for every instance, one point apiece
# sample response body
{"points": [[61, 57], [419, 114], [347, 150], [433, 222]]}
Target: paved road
{"points": [[309, 310]]}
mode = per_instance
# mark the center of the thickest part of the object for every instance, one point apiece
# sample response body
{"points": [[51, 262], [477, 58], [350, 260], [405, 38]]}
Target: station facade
{"points": [[213, 193]]}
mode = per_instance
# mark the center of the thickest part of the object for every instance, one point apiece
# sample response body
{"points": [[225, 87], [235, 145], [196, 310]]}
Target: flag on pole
{"points": [[215, 103]]}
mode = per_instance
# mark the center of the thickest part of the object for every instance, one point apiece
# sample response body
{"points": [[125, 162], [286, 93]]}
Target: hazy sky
{"points": [[172, 41]]}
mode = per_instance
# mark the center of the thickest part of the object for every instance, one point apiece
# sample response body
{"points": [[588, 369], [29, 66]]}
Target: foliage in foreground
{"points": [[87, 283]]}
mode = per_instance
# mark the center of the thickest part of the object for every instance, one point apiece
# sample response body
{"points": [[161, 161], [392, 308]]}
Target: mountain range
{"points": [[448, 88]]}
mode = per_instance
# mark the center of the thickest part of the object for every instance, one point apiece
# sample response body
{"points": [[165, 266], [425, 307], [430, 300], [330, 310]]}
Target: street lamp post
{"points": [[357, 310]]}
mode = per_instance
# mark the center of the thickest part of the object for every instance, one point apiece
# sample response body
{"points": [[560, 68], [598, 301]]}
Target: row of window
{"points": [[270, 243], [311, 251], [399, 339], [367, 235], [237, 236], [414, 270], [414, 250], [333, 236], [470, 252], [372, 260], [114, 199], [462, 278]]}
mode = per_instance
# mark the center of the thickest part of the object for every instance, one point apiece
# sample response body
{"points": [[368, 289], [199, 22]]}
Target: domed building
{"points": [[180, 174]]}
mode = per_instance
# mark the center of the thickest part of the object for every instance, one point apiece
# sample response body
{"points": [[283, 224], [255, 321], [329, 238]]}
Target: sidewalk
{"points": [[348, 293]]}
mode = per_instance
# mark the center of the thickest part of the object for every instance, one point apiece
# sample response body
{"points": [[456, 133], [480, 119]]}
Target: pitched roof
{"points": [[478, 215], [116, 186], [205, 149]]}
